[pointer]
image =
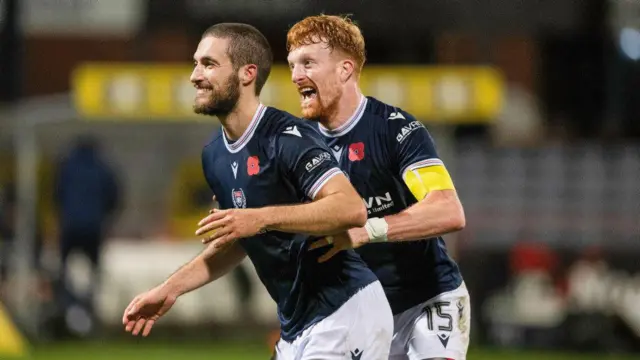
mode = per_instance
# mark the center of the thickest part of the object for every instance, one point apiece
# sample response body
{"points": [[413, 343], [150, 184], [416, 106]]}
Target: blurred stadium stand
{"points": [[534, 106]]}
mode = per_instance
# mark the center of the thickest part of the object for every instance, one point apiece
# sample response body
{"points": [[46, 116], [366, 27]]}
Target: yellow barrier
{"points": [[11, 341], [163, 92], [190, 200]]}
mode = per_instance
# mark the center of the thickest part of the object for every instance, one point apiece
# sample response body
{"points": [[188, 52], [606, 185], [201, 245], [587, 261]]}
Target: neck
{"points": [[347, 105], [237, 121]]}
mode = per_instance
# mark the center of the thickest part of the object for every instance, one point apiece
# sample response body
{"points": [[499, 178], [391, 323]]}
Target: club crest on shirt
{"points": [[239, 200]]}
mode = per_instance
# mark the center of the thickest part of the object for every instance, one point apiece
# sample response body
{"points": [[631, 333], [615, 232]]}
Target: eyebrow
{"points": [[207, 59], [301, 57]]}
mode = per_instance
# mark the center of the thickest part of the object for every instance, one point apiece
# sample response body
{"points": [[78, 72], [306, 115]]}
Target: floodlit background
{"points": [[534, 106]]}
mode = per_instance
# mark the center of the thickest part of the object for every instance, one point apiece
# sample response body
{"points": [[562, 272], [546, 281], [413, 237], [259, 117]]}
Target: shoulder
{"points": [[214, 138], [393, 115], [212, 142], [281, 124], [392, 118]]}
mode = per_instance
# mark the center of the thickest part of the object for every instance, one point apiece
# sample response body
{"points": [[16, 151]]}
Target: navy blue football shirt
{"points": [[281, 159], [375, 147]]}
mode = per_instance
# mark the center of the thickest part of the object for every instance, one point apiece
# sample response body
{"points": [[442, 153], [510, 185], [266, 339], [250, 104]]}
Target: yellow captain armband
{"points": [[423, 180]]}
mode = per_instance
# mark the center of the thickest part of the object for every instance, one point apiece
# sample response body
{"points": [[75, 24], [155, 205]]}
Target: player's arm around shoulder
{"points": [[338, 194], [335, 205], [306, 163], [438, 210]]}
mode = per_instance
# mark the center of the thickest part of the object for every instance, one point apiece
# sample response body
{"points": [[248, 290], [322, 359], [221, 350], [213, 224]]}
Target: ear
{"points": [[248, 74], [346, 69]]}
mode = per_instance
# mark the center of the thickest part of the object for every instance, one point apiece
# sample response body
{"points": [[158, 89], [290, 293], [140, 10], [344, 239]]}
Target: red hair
{"points": [[338, 32]]}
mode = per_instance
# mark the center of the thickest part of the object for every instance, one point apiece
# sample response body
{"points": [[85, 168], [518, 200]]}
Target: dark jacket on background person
{"points": [[86, 190]]}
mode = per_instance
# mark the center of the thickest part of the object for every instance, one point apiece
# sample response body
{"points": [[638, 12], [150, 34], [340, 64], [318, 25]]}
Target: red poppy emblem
{"points": [[253, 165], [356, 151]]}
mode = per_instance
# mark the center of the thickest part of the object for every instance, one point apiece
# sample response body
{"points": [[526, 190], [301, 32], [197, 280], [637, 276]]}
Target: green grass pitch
{"points": [[144, 349]]}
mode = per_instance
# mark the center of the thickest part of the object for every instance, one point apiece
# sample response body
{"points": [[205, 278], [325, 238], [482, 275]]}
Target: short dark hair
{"points": [[247, 45]]}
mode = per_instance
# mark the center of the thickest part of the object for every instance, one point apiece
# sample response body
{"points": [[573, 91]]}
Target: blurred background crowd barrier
{"points": [[534, 106]]}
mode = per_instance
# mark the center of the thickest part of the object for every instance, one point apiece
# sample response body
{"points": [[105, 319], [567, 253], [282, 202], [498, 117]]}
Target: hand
{"points": [[146, 308], [230, 225], [351, 239]]}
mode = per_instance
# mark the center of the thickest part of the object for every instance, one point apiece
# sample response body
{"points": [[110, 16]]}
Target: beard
{"points": [[222, 100], [321, 107]]}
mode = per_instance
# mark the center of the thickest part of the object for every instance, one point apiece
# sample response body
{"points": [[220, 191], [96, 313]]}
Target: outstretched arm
{"points": [[146, 308], [210, 265]]}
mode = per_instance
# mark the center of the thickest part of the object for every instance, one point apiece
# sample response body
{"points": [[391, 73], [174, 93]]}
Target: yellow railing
{"points": [[147, 91]]}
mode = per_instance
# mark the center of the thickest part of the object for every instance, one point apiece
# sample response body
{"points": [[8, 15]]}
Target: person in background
{"points": [[86, 197], [7, 206]]}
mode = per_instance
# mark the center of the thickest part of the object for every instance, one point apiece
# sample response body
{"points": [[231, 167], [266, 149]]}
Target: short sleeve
{"points": [[306, 159], [414, 147]]}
